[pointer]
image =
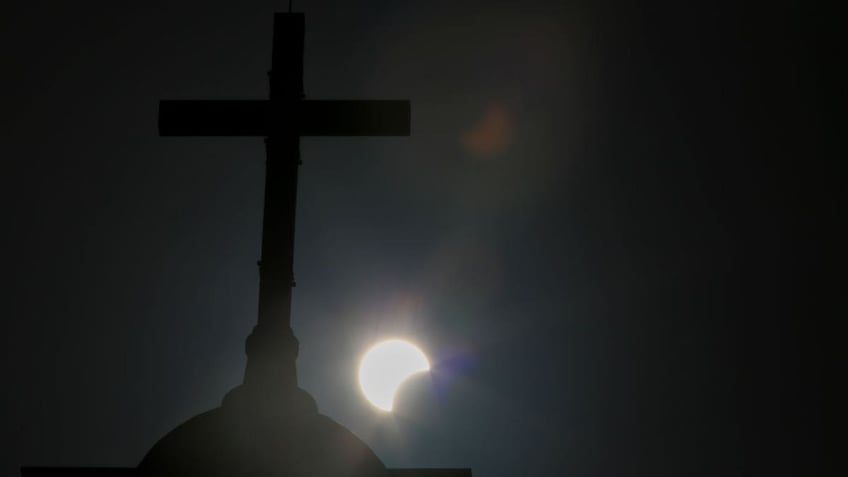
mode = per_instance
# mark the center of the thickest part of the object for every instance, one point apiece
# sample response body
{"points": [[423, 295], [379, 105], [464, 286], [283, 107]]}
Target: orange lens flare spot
{"points": [[492, 134]]}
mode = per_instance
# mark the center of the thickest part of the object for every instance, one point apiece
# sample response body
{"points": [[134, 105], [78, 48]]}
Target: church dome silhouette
{"points": [[247, 436]]}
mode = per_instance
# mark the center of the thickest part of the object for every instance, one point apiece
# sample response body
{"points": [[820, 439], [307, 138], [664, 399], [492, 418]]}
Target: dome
{"points": [[248, 436]]}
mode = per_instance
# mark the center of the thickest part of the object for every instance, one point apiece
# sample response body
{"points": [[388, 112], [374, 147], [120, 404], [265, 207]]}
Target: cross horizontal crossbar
{"points": [[133, 472], [266, 118]]}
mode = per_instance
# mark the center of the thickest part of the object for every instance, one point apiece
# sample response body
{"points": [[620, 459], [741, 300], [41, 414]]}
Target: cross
{"points": [[282, 119]]}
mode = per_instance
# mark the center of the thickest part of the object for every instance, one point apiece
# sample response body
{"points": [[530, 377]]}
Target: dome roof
{"points": [[248, 436]]}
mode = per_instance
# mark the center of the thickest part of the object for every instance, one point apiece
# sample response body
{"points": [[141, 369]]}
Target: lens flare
{"points": [[492, 134]]}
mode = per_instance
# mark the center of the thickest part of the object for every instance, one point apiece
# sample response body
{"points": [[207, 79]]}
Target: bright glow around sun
{"points": [[385, 367]]}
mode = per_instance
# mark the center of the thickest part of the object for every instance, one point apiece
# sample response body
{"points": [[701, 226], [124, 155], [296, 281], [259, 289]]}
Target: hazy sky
{"points": [[612, 229]]}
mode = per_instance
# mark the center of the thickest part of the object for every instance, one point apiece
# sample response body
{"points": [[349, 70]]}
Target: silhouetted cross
{"points": [[282, 119]]}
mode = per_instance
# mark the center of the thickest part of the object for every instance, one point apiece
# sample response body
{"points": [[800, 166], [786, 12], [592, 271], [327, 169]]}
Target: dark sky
{"points": [[613, 230]]}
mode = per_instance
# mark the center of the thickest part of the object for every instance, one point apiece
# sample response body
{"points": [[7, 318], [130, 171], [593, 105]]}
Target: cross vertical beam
{"points": [[272, 347]]}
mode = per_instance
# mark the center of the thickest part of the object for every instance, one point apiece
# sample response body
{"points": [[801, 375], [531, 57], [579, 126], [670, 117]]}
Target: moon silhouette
{"points": [[385, 367]]}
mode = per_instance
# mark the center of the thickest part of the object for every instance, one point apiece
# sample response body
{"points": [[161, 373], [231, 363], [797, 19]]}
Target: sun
{"points": [[385, 367]]}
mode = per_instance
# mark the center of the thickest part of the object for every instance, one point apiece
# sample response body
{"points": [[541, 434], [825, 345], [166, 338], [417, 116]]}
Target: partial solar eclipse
{"points": [[385, 367]]}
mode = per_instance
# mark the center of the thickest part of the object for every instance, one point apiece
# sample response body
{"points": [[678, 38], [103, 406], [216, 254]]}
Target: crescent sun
{"points": [[385, 367]]}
